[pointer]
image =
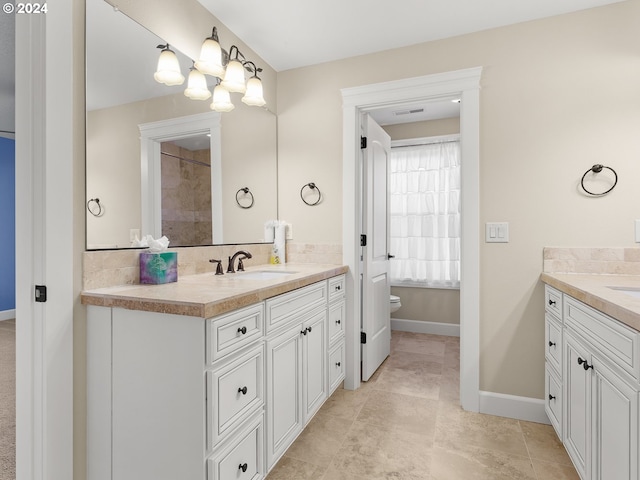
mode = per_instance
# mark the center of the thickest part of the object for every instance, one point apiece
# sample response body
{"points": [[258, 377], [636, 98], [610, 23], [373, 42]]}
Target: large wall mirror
{"points": [[160, 163]]}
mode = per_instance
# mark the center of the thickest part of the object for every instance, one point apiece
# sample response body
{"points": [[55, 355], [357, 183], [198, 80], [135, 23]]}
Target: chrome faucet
{"points": [[243, 255]]}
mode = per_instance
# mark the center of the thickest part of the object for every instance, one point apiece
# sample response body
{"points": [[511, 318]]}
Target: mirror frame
{"points": [[151, 136]]}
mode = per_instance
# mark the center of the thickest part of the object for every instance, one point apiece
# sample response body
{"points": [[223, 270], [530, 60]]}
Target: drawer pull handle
{"points": [[552, 344], [584, 364], [242, 330], [338, 322], [242, 390], [552, 302], [243, 467], [338, 364], [551, 397]]}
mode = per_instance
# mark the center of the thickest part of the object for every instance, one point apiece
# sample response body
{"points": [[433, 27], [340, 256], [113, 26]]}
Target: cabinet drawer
{"points": [[336, 287], [289, 306], [612, 339], [242, 458], [553, 400], [553, 301], [336, 367], [553, 342], [337, 314], [227, 333], [234, 391]]}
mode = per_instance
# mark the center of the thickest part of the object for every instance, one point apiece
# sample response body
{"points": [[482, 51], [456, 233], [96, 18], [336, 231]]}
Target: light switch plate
{"points": [[289, 232], [637, 223], [496, 232]]}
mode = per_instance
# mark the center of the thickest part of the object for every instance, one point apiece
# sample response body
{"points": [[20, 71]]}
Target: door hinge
{"points": [[41, 293], [363, 337], [363, 240], [363, 142]]}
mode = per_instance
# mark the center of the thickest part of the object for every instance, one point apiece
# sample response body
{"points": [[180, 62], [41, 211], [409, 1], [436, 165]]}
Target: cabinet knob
{"points": [[338, 288], [309, 329], [552, 344], [338, 364], [551, 397], [243, 467], [242, 390], [584, 364], [552, 302], [242, 330], [303, 332], [338, 322]]}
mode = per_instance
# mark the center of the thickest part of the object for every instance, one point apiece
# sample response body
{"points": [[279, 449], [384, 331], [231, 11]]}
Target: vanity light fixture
{"points": [[168, 70], [211, 56], [197, 86], [228, 68], [221, 100], [254, 96], [234, 76]]}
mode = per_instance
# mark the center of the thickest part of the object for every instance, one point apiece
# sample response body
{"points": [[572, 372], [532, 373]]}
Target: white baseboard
{"points": [[7, 315], [511, 406], [418, 326]]}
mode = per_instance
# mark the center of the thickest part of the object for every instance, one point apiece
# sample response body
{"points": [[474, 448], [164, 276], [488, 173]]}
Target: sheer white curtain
{"points": [[424, 188]]}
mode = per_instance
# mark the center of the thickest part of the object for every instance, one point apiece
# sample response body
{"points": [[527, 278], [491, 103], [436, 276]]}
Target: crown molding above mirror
{"points": [[247, 150]]}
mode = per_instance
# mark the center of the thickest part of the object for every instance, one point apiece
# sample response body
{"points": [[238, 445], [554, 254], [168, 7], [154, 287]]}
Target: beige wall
{"points": [[426, 304], [558, 95]]}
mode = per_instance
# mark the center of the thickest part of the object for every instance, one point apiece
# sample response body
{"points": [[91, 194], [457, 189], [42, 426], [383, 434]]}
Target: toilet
{"points": [[394, 304]]}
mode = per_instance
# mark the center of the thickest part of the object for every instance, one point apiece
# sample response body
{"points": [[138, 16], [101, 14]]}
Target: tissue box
{"points": [[161, 267]]}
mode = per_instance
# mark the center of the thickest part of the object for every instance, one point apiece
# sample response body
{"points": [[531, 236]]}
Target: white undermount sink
{"points": [[632, 292], [263, 274]]}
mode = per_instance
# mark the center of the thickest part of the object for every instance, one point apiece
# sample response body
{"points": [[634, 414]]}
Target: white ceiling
{"points": [[294, 33]]}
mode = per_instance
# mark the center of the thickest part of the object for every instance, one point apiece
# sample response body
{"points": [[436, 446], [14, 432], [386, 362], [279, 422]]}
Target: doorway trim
{"points": [[358, 100], [151, 136]]}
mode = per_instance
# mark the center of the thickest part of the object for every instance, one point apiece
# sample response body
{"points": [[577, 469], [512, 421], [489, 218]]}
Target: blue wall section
{"points": [[7, 224]]}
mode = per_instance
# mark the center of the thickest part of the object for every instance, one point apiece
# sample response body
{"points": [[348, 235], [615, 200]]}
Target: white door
{"points": [[376, 325]]}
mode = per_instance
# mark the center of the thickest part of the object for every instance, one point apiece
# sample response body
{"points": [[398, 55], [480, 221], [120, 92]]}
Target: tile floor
{"points": [[406, 423]]}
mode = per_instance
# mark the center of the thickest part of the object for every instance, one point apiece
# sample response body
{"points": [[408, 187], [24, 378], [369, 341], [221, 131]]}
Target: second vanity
{"points": [[212, 377], [592, 374]]}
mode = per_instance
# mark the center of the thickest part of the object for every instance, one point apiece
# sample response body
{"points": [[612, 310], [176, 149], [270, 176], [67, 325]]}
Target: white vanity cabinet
{"points": [[601, 383], [336, 323], [553, 358], [296, 365], [182, 397]]}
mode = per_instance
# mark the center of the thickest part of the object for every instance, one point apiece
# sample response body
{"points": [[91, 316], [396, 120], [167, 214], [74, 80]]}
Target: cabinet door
{"points": [[314, 364], [284, 391], [615, 426], [577, 382]]}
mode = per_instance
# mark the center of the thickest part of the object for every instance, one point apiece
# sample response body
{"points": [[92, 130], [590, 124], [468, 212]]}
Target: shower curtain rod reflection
{"points": [[425, 143], [189, 160]]}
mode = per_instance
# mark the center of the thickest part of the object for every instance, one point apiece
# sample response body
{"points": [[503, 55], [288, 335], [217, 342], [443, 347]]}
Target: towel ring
{"points": [[246, 192], [312, 186], [597, 168], [92, 209]]}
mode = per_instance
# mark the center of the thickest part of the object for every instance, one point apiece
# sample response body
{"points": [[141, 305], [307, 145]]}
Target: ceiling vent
{"points": [[408, 112]]}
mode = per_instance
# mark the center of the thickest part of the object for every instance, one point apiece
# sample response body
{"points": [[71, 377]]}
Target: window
{"points": [[424, 187]]}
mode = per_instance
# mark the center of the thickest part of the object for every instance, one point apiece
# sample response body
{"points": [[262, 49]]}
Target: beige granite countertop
{"points": [[206, 295], [595, 291]]}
